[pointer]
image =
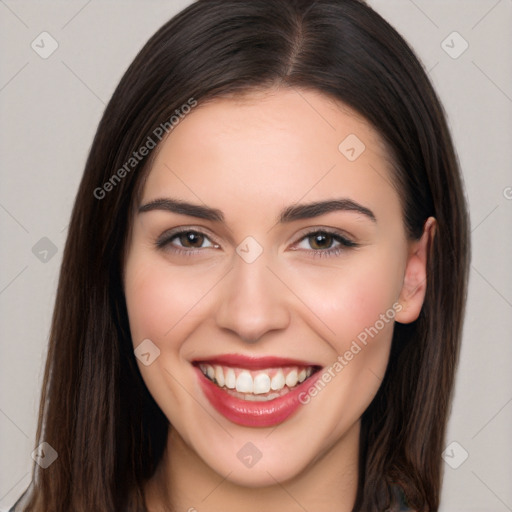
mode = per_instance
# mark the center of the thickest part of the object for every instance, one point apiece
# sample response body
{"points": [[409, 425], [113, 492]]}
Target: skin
{"points": [[251, 156]]}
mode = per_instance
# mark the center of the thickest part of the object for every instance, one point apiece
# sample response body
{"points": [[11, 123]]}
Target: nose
{"points": [[252, 301]]}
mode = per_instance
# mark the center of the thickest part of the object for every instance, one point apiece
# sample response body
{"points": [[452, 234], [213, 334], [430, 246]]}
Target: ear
{"points": [[414, 286]]}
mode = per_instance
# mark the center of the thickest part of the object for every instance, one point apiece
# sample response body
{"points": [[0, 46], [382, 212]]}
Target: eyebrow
{"points": [[289, 214]]}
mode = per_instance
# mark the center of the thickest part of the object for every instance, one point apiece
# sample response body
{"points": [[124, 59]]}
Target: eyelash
{"points": [[164, 242], [344, 242]]}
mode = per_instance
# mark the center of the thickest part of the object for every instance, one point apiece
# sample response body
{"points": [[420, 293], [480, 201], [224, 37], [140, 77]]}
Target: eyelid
{"points": [[170, 233], [331, 231], [347, 241]]}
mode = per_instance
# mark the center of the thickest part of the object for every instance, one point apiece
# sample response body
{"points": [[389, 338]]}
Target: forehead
{"points": [[272, 148]]}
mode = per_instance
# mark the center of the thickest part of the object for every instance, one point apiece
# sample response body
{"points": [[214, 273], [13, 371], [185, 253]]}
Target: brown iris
{"points": [[321, 240], [191, 237]]}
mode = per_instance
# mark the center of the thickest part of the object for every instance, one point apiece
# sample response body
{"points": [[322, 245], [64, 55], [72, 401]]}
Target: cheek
{"points": [[352, 297], [368, 295], [358, 303], [161, 300], [163, 305]]}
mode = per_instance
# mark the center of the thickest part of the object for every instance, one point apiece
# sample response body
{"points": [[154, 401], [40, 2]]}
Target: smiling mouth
{"points": [[260, 385]]}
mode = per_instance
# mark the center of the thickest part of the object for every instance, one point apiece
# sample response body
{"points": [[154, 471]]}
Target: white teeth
{"points": [[244, 382], [250, 384], [219, 376], [261, 384], [278, 381], [291, 379], [230, 378]]}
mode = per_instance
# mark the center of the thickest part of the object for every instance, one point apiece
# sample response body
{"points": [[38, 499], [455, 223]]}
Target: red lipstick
{"points": [[249, 413]]}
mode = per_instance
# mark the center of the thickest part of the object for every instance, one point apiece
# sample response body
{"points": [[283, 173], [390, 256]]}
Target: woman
{"points": [[262, 292]]}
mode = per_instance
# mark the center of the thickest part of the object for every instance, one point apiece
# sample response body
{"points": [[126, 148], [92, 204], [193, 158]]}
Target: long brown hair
{"points": [[95, 410]]}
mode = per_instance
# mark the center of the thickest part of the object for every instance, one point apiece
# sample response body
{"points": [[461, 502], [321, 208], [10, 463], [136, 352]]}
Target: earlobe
{"points": [[414, 286]]}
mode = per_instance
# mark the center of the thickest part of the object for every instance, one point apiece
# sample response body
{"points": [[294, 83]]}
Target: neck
{"points": [[183, 482]]}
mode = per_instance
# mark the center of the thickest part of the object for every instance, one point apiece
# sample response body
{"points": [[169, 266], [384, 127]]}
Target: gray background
{"points": [[49, 111]]}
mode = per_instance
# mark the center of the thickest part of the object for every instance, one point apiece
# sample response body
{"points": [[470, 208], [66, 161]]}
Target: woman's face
{"points": [[269, 253]]}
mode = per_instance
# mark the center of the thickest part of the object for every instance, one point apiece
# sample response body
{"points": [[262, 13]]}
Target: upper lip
{"points": [[252, 362]]}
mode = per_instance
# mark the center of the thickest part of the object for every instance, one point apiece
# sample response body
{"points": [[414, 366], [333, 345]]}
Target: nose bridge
{"points": [[253, 301]]}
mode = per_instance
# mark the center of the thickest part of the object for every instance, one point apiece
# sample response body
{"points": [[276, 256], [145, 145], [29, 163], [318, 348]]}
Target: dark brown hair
{"points": [[96, 411]]}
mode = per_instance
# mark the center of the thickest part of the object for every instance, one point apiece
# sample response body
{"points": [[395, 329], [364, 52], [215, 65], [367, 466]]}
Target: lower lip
{"points": [[254, 414]]}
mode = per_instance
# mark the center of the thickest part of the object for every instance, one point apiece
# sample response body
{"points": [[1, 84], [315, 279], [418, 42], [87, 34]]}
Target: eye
{"points": [[191, 239], [184, 241], [325, 243]]}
